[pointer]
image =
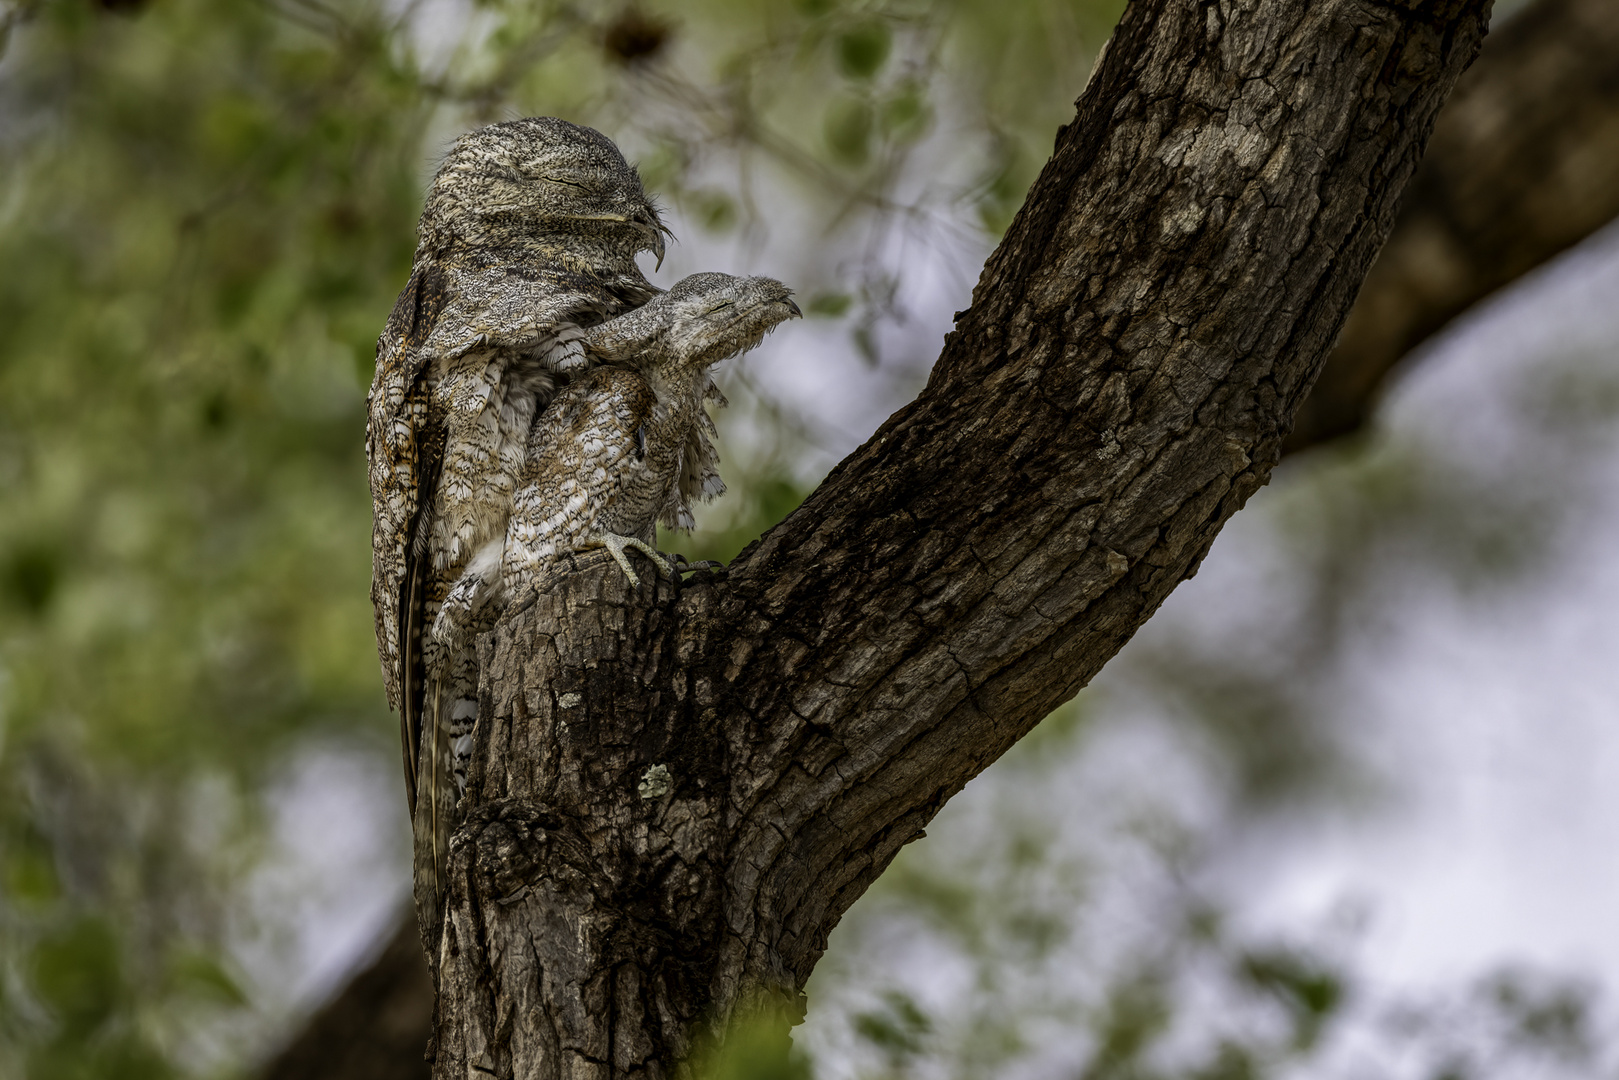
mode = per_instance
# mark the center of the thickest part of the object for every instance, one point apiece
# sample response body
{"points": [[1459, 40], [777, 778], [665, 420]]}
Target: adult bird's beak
{"points": [[792, 307], [654, 231]]}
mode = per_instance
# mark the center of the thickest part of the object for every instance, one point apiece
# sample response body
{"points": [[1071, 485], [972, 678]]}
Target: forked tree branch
{"points": [[1553, 72], [674, 798], [1524, 161]]}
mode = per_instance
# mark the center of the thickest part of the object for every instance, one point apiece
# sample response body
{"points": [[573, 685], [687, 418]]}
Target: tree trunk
{"points": [[676, 797]]}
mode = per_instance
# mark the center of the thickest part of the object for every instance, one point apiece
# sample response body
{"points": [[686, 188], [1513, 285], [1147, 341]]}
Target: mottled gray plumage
{"points": [[529, 234], [626, 443]]}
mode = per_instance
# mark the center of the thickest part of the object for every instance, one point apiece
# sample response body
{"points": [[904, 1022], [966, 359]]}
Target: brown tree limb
{"points": [[673, 799], [1537, 184], [1524, 164], [375, 1028]]}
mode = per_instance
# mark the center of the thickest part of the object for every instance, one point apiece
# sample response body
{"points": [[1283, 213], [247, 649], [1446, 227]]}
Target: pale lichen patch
{"points": [[655, 782]]}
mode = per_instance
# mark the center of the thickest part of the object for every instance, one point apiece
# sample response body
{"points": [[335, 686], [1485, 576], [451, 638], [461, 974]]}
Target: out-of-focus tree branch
{"points": [[374, 1028], [1523, 165]]}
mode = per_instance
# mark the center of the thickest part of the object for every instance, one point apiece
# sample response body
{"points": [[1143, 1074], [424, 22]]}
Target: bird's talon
{"points": [[616, 546]]}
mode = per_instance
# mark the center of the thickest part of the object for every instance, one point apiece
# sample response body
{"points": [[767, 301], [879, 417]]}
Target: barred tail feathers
{"points": [[451, 715], [429, 827]]}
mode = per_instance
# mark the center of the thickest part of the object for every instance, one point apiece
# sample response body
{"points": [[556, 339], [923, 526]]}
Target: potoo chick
{"points": [[529, 234], [625, 445]]}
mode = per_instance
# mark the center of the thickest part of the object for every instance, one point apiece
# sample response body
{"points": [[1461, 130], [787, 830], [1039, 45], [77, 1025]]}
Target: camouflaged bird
{"points": [[625, 444], [529, 235]]}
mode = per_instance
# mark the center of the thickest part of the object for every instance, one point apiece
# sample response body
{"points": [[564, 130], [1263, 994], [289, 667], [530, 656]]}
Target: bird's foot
{"points": [[616, 546]]}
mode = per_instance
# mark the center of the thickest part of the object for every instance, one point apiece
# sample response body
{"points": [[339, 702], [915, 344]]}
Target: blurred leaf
{"points": [[32, 572], [905, 115], [863, 50], [1003, 190], [831, 305], [77, 974], [196, 974], [1231, 1062], [754, 1050], [864, 338], [848, 130], [713, 210], [897, 1029], [1311, 991], [1138, 1011], [634, 36], [30, 875], [1553, 1017]]}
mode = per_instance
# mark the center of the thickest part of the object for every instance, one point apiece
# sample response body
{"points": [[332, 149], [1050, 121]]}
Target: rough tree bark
{"points": [[1528, 144], [675, 797]]}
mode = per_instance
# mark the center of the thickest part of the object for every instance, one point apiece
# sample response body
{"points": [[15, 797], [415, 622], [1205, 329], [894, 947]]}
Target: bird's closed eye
{"points": [[565, 183], [721, 306]]}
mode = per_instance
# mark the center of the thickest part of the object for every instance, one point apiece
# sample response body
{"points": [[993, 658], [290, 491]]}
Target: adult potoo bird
{"points": [[529, 233], [625, 444]]}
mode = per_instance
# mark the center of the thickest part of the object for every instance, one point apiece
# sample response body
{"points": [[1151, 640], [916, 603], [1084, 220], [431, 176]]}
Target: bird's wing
{"points": [[396, 426], [699, 478]]}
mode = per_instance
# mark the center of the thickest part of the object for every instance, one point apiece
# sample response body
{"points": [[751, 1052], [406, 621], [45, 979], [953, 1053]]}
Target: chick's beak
{"points": [[792, 307]]}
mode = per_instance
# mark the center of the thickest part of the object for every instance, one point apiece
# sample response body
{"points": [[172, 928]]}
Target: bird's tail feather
{"points": [[450, 714], [431, 827]]}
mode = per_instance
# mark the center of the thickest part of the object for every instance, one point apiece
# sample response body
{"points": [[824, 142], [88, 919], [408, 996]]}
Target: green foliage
{"points": [[849, 123], [897, 1028], [715, 211], [905, 115], [1554, 1018], [78, 976], [197, 252], [863, 49], [829, 304], [1310, 990], [754, 1048], [1136, 1014], [80, 980]]}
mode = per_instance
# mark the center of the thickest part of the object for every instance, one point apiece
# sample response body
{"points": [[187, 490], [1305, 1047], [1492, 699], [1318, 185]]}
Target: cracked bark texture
{"points": [[675, 797]]}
